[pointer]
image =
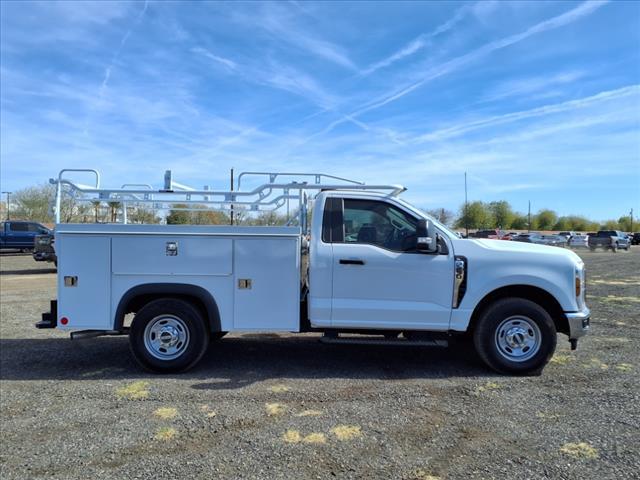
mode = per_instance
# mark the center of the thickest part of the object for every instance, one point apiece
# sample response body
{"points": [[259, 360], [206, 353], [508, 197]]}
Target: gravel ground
{"points": [[286, 406]]}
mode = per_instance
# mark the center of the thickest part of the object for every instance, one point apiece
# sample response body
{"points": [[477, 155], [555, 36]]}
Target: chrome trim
{"points": [[577, 320], [460, 267]]}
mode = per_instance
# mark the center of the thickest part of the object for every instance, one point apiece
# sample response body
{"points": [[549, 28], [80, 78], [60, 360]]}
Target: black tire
{"points": [[487, 336], [593, 249], [188, 321]]}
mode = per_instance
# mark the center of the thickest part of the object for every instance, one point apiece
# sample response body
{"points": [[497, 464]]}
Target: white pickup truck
{"points": [[369, 268]]}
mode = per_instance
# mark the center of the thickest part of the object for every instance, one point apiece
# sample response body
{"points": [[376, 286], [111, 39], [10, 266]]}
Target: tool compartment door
{"points": [[84, 298], [267, 284]]}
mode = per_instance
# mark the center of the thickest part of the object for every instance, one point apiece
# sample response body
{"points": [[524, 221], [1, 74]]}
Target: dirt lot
{"points": [[269, 406]]}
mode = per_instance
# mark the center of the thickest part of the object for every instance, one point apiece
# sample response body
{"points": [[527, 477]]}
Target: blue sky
{"points": [[537, 101]]}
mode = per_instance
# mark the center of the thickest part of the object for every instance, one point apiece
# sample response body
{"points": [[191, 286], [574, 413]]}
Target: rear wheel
{"points": [[515, 336], [168, 335]]}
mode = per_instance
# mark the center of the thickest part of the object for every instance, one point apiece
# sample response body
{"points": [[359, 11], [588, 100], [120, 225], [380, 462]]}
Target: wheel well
{"points": [[137, 297], [535, 294]]}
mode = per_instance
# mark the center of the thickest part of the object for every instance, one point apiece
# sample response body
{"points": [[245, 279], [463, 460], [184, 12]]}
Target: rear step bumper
{"points": [[50, 318]]}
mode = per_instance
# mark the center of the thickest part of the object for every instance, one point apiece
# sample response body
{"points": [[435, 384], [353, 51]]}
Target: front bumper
{"points": [[44, 257], [578, 323]]}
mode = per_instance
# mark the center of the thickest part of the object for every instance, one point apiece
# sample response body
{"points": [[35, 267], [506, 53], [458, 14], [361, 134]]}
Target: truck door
{"points": [[379, 279], [18, 235]]}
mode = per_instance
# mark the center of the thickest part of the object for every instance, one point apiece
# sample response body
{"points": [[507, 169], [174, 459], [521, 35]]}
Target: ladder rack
{"points": [[278, 191]]}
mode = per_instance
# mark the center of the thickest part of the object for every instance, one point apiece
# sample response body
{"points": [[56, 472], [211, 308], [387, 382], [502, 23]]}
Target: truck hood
{"points": [[511, 248]]}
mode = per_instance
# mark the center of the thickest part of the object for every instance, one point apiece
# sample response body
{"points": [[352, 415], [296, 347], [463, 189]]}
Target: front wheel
{"points": [[168, 335], [515, 336]]}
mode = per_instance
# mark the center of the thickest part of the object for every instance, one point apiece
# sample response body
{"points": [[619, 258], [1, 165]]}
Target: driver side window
{"points": [[378, 223]]}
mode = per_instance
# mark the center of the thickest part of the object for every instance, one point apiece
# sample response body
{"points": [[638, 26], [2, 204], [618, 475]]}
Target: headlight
{"points": [[578, 284], [43, 241], [580, 281]]}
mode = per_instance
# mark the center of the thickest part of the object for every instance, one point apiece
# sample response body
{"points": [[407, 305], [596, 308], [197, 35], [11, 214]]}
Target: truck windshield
{"points": [[422, 214]]}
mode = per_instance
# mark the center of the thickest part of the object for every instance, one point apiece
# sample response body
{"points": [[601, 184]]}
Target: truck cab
{"points": [[15, 234], [368, 268], [368, 271]]}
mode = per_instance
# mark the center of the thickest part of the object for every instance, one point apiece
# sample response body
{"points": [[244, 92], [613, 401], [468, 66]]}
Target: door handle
{"points": [[344, 261]]}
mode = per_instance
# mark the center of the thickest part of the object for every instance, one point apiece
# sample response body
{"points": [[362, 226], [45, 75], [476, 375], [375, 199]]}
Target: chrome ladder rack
{"points": [[269, 196]]}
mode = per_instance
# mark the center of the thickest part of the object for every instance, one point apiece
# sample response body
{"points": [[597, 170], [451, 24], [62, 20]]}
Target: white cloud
{"points": [[118, 52], [566, 18], [457, 130], [419, 42], [532, 86], [279, 23], [229, 64]]}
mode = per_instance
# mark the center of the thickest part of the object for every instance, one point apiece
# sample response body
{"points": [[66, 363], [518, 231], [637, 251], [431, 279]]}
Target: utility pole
{"points": [[631, 215], [466, 217], [8, 194], [232, 196], [529, 218]]}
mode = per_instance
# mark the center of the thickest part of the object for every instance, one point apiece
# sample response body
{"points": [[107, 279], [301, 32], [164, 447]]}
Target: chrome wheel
{"points": [[166, 337], [518, 338]]}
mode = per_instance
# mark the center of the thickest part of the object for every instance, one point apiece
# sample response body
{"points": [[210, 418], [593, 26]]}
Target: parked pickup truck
{"points": [[43, 249], [494, 234], [20, 235], [609, 239], [369, 268]]}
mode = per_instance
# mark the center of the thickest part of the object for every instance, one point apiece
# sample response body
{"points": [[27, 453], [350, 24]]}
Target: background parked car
{"points": [[43, 250], [494, 234], [579, 240], [635, 239], [567, 235], [609, 239], [555, 240], [509, 236], [20, 235], [531, 237], [535, 237]]}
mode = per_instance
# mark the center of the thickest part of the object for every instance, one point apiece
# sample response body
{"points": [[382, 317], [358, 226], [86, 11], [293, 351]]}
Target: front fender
{"points": [[559, 288], [461, 317]]}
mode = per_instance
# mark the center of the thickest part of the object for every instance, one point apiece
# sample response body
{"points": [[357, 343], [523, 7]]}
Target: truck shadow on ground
{"points": [[14, 252], [237, 361], [32, 271]]}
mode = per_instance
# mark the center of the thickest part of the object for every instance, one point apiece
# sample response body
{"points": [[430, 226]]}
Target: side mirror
{"points": [[426, 240]]}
